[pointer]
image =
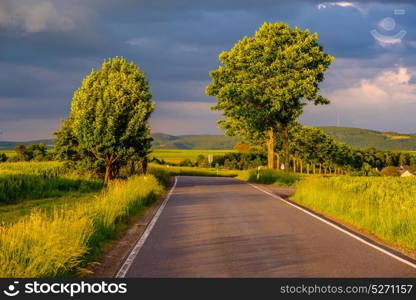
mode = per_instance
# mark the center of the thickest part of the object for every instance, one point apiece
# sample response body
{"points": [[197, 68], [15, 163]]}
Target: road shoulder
{"points": [[113, 257]]}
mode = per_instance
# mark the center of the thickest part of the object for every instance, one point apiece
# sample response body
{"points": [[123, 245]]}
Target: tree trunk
{"points": [[285, 145], [144, 165], [270, 149], [301, 167], [278, 161], [107, 174]]}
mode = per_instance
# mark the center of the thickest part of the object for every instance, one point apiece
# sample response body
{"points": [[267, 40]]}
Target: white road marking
{"points": [[338, 228], [128, 262]]}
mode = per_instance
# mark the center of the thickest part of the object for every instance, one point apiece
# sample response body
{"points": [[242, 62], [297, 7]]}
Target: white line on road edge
{"points": [[128, 262], [338, 228]]}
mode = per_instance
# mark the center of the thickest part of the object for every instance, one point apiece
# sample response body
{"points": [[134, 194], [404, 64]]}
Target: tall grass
{"points": [[47, 168], [50, 245], [382, 206], [35, 180]]}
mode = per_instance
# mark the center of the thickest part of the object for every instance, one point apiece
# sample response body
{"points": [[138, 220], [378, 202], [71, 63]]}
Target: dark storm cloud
{"points": [[45, 53]]}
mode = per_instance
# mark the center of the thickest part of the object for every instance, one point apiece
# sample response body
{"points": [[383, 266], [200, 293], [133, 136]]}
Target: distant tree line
{"points": [[312, 151], [33, 152]]}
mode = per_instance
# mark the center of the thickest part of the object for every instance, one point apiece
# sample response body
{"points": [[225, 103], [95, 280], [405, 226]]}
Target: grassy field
{"points": [[9, 153], [381, 206], [175, 156], [36, 180], [71, 234]]}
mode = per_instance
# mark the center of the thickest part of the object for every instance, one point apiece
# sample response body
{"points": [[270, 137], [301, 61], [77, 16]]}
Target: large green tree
{"points": [[265, 80], [109, 116]]}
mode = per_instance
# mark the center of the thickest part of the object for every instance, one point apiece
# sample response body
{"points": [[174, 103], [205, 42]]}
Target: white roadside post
{"points": [[258, 172], [210, 159]]}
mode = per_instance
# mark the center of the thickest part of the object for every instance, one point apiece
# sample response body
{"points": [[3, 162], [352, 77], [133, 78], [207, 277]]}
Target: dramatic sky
{"points": [[48, 46]]}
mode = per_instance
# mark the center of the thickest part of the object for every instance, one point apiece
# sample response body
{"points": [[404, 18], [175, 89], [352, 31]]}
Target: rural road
{"points": [[222, 227]]}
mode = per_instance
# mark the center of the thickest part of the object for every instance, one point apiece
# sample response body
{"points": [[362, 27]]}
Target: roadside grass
{"points": [[35, 180], [382, 206], [71, 235], [267, 176], [175, 156], [162, 172]]}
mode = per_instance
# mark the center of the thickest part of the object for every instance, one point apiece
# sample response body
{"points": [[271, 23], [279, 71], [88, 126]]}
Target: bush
{"points": [[3, 157], [276, 177], [186, 163], [390, 171], [240, 161]]}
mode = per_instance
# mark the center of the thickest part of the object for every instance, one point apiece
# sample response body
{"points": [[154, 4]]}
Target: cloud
{"points": [[389, 88], [362, 8], [32, 16], [381, 100]]}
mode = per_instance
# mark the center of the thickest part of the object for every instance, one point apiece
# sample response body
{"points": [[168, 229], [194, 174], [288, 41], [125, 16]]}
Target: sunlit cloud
{"points": [[360, 7]]}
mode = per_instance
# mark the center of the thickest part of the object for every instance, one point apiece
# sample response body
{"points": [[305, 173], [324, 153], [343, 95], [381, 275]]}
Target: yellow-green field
{"points": [[44, 209], [381, 206], [9, 153], [175, 156]]}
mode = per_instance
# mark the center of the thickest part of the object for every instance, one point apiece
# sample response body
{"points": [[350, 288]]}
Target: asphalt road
{"points": [[221, 227]]}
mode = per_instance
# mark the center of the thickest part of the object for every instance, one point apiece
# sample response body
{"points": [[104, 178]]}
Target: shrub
{"points": [[390, 171], [276, 177]]}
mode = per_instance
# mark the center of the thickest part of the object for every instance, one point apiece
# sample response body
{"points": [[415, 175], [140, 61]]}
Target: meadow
{"points": [[384, 207], [74, 234], [35, 180]]}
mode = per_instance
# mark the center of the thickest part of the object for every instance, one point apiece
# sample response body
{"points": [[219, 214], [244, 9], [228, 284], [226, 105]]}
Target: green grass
{"points": [[71, 235], [11, 213], [9, 153], [267, 176], [175, 156], [382, 206], [164, 172], [36, 180]]}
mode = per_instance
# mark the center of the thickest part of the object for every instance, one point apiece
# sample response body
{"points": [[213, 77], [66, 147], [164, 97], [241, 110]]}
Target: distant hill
{"points": [[8, 145], [213, 142], [356, 137], [365, 138]]}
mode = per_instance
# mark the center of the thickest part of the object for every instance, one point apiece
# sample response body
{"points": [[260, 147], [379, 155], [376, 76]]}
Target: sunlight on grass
{"points": [[68, 234], [383, 206]]}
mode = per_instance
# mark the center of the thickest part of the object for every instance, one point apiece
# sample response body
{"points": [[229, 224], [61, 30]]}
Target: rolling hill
{"points": [[9, 145], [356, 137], [366, 138], [213, 142]]}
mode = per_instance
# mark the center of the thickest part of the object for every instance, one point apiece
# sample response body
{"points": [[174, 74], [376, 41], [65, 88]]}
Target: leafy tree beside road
{"points": [[108, 122], [265, 81]]}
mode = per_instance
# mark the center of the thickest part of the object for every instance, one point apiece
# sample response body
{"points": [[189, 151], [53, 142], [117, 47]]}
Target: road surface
{"points": [[222, 227]]}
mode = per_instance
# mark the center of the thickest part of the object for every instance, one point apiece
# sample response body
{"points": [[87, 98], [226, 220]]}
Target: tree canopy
{"points": [[264, 82], [109, 116]]}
